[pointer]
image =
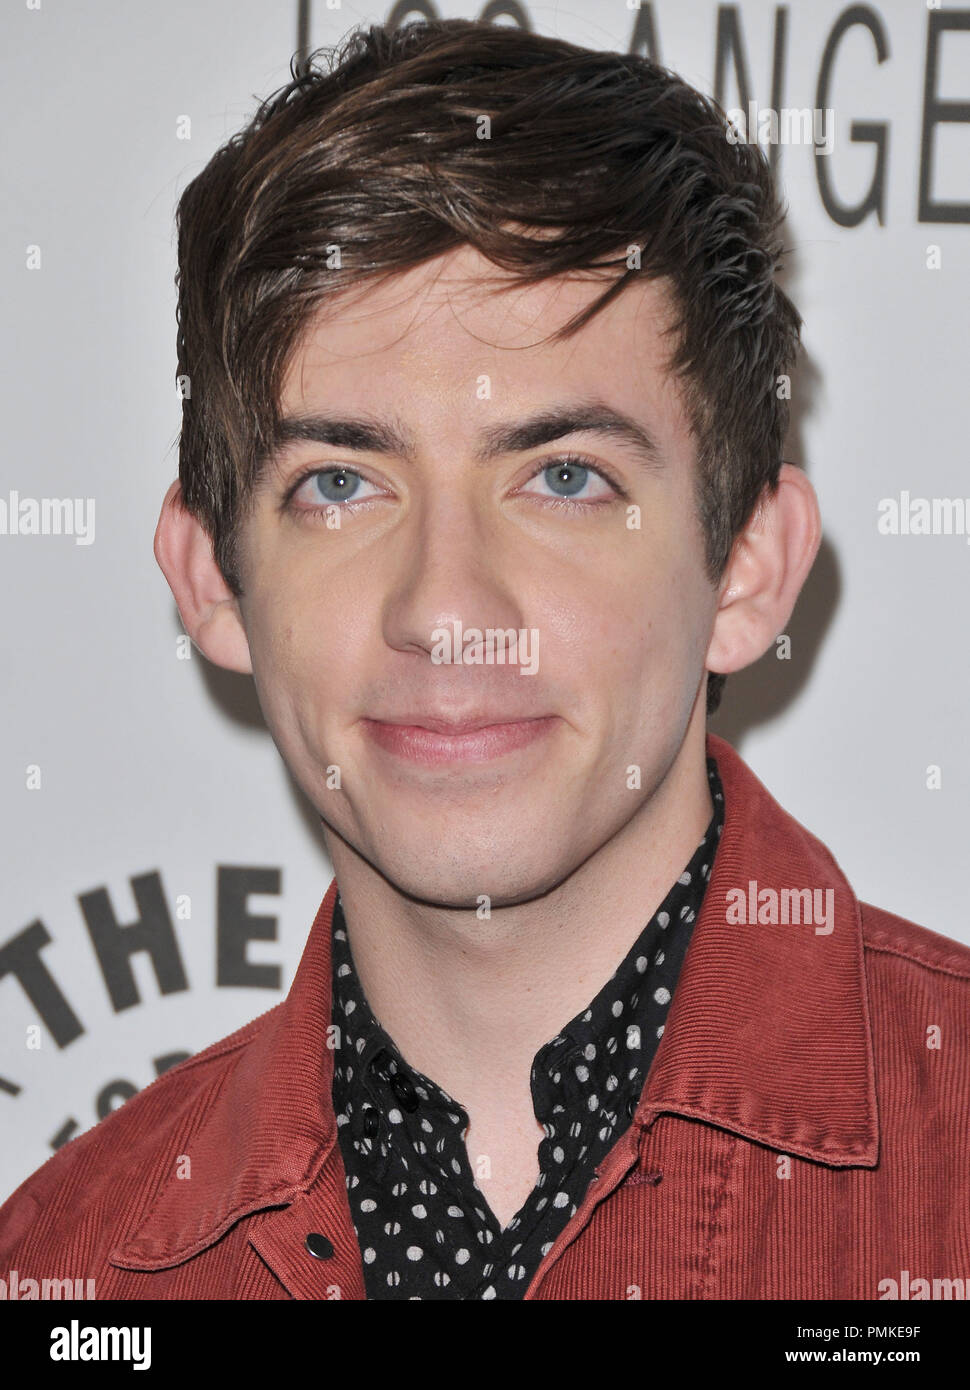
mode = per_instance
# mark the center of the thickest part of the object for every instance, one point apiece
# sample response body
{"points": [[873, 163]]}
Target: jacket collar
{"points": [[269, 1122], [767, 1036], [768, 1033]]}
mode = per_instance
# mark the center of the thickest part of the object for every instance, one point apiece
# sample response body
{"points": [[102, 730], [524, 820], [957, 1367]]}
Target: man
{"points": [[480, 478]]}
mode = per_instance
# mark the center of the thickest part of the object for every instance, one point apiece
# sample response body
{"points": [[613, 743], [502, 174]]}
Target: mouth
{"points": [[432, 741]]}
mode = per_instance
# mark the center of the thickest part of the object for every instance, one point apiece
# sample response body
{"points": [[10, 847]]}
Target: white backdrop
{"points": [[126, 770]]}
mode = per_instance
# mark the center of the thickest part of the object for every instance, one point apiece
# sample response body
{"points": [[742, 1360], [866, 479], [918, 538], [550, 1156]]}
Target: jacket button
{"points": [[372, 1122], [319, 1247], [631, 1106]]}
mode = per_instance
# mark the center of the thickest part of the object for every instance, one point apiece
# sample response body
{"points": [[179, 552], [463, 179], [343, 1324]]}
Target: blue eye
{"points": [[568, 478], [327, 486]]}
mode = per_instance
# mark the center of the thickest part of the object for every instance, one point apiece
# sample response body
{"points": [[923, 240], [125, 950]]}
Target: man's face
{"points": [[600, 574]]}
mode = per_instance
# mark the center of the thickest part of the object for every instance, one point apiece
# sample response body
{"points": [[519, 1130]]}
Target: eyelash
{"points": [[573, 460]]}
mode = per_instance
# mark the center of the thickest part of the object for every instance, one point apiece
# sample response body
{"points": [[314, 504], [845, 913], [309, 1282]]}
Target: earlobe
{"points": [[208, 608], [770, 561]]}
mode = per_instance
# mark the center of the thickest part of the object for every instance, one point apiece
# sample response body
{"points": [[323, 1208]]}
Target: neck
{"points": [[469, 1002]]}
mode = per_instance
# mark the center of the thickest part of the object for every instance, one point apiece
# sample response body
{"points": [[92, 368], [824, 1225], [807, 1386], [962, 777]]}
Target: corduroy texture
{"points": [[803, 1132]]}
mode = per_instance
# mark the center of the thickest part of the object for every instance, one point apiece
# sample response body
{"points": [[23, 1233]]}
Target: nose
{"points": [[453, 563]]}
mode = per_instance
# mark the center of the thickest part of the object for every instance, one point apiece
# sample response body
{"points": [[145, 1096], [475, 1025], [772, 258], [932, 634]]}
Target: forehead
{"points": [[458, 338]]}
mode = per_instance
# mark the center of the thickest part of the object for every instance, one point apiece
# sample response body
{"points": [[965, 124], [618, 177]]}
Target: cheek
{"points": [[636, 632], [292, 665], [625, 608]]}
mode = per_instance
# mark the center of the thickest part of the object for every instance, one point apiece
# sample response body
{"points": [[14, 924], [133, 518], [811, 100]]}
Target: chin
{"points": [[456, 878]]}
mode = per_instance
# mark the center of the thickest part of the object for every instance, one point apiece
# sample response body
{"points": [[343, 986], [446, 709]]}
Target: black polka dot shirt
{"points": [[424, 1227]]}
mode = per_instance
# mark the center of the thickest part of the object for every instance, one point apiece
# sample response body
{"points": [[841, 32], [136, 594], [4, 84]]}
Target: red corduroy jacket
{"points": [[802, 1133]]}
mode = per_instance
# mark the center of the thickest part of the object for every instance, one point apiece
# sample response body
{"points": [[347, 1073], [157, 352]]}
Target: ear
{"points": [[769, 563], [208, 608]]}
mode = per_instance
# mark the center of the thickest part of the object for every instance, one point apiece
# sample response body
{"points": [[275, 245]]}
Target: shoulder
{"points": [[99, 1182], [912, 951], [918, 992]]}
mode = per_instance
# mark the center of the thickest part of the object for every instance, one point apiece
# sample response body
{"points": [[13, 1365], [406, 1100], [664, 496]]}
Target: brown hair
{"points": [[378, 154]]}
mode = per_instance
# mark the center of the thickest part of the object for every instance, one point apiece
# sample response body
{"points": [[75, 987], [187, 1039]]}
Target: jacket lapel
{"points": [[768, 1033], [267, 1138]]}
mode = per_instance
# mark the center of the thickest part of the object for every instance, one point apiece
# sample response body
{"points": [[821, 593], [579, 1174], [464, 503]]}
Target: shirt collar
{"points": [[674, 918], [768, 1036]]}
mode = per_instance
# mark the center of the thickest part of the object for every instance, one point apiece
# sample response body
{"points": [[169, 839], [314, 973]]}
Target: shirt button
{"points": [[319, 1247], [404, 1091], [372, 1122], [381, 1062]]}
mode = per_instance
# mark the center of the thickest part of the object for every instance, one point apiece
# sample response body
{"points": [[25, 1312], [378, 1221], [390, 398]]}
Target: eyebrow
{"points": [[362, 433]]}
